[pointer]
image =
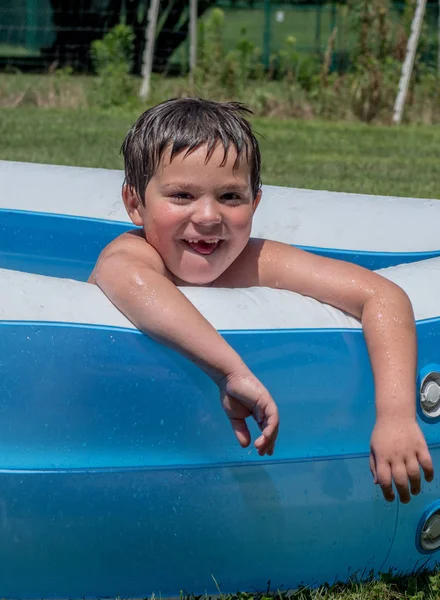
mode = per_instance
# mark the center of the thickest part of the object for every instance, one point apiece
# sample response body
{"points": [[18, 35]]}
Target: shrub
{"points": [[112, 59]]}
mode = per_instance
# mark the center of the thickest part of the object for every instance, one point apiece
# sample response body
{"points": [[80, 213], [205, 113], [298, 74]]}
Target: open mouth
{"points": [[204, 247]]}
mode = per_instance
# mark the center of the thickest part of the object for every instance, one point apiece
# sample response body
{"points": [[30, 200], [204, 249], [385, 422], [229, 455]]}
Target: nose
{"points": [[207, 212]]}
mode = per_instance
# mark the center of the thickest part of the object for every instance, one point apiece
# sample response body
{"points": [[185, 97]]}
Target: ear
{"points": [[133, 205], [257, 199]]}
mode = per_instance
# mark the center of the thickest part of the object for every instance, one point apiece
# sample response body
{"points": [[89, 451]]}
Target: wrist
{"points": [[395, 416], [396, 404], [227, 365], [236, 370]]}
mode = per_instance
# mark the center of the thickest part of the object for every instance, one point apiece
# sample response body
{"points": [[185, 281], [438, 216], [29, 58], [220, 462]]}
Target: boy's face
{"points": [[197, 214]]}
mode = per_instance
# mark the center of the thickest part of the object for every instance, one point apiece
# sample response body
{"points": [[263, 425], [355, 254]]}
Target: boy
{"points": [[192, 183]]}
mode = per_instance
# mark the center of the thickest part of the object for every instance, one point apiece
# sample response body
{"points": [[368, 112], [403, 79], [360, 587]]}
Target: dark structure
{"points": [[58, 33], [78, 22]]}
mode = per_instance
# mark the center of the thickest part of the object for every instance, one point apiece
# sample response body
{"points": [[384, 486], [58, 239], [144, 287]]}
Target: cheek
{"points": [[162, 223], [241, 221]]}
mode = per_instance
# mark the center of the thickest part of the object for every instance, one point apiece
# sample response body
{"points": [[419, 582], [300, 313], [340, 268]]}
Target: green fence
{"points": [[268, 25], [41, 30]]}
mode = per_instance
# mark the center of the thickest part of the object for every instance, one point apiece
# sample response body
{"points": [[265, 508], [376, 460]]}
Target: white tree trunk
{"points": [[408, 63], [193, 39], [438, 49], [150, 39]]}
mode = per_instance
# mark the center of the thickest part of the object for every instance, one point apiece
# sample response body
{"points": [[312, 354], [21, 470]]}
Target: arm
{"points": [[134, 278], [397, 444]]}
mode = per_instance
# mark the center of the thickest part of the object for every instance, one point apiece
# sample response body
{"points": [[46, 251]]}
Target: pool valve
{"points": [[430, 394], [430, 534]]}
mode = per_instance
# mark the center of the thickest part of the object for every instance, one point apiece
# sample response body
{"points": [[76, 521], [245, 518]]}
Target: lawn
{"points": [[15, 50], [344, 157]]}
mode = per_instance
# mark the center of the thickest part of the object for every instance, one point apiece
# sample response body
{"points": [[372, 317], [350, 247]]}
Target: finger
{"points": [[261, 425], [413, 471], [268, 422], [400, 477], [241, 432], [271, 423], [271, 445], [262, 445], [265, 445], [373, 467], [383, 471], [271, 449], [270, 432], [425, 461], [266, 442]]}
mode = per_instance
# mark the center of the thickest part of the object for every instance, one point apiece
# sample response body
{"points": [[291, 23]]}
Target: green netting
{"points": [[27, 26]]}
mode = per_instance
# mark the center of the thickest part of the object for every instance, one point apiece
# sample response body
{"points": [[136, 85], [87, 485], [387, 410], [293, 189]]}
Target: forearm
{"points": [[158, 308], [390, 334]]}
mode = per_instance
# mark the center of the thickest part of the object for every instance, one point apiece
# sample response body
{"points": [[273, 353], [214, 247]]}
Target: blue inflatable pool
{"points": [[119, 475]]}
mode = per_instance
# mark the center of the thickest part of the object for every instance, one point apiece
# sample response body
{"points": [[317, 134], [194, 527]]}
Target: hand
{"points": [[397, 448], [242, 396]]}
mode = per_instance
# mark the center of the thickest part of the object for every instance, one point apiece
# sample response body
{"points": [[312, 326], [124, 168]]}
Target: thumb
{"points": [[241, 431]]}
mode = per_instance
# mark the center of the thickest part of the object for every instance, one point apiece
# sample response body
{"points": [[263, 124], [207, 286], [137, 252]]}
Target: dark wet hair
{"points": [[187, 123]]}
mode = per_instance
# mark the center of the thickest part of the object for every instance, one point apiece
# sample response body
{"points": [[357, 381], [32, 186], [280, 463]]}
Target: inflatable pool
{"points": [[119, 474], [55, 221]]}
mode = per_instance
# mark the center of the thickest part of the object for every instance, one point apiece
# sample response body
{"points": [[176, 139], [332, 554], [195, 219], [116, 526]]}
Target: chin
{"points": [[197, 279], [199, 272], [198, 276]]}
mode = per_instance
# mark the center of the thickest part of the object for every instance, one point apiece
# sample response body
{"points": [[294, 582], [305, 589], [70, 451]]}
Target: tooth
{"points": [[212, 241]]}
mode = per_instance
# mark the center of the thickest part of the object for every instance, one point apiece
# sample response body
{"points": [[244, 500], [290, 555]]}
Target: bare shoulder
{"points": [[249, 267], [128, 251], [289, 267], [342, 284], [273, 264]]}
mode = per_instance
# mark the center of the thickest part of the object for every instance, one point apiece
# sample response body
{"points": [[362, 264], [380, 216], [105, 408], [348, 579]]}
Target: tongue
{"points": [[203, 247]]}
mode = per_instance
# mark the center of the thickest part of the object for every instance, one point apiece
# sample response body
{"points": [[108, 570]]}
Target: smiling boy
{"points": [[192, 184]]}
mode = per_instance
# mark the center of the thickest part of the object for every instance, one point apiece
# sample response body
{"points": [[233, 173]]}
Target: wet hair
{"points": [[187, 123]]}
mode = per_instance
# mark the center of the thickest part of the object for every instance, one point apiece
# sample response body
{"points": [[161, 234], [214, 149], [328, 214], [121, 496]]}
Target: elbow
{"points": [[389, 297]]}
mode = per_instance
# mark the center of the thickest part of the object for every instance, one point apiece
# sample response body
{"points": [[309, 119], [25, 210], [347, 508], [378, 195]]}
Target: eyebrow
{"points": [[235, 187], [232, 187], [177, 184]]}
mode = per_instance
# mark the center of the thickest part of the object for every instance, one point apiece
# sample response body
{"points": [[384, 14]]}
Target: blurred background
{"points": [[35, 33], [322, 79]]}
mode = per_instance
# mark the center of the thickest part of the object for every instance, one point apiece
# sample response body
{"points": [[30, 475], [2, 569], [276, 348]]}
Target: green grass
{"points": [[424, 586], [352, 158], [8, 50], [400, 161]]}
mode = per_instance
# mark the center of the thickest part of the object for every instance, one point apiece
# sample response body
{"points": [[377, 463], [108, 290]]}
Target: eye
{"points": [[181, 196], [232, 198]]}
